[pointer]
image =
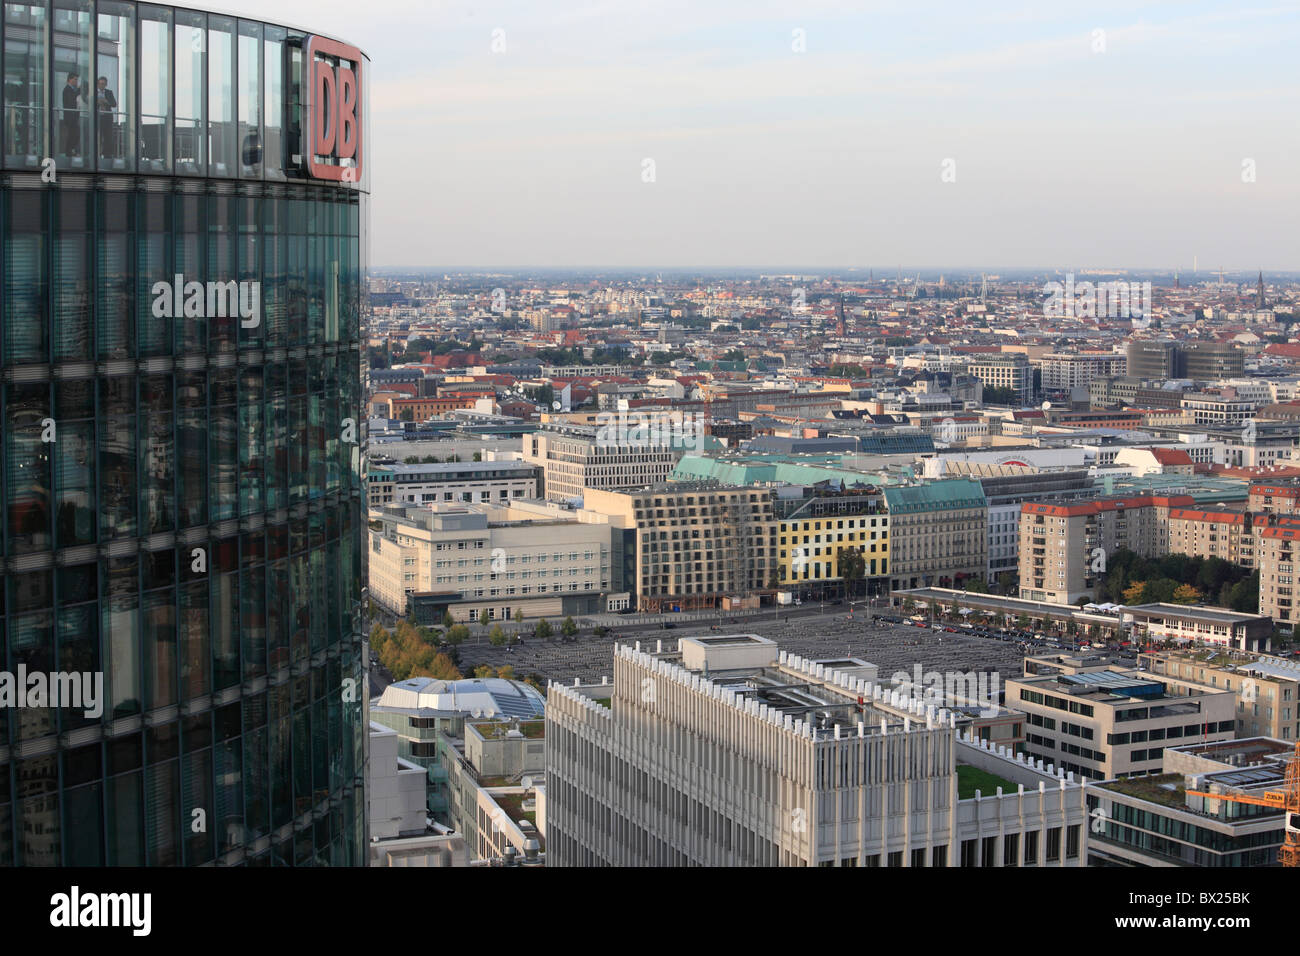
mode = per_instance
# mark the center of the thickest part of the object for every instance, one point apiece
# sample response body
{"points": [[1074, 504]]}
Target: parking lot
{"points": [[892, 647]]}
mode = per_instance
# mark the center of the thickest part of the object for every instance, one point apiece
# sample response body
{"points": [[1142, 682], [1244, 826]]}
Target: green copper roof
{"points": [[935, 496]]}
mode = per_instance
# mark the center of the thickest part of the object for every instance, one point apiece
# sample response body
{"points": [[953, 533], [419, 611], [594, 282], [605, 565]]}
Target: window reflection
{"points": [[250, 100], [71, 77], [114, 90], [191, 92], [24, 94], [155, 90], [222, 140]]}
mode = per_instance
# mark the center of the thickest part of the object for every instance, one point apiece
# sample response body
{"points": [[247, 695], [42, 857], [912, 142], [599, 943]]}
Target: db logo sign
{"points": [[333, 133]]}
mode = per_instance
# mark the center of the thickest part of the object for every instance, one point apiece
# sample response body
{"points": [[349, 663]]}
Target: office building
{"points": [[729, 752], [182, 367], [1107, 722], [1267, 687], [574, 458], [1152, 821], [464, 560], [448, 482]]}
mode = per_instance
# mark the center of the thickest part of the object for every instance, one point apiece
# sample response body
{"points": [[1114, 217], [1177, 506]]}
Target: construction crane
{"points": [[1287, 800]]}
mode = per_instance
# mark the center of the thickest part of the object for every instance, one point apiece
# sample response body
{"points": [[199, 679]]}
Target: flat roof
{"points": [[1193, 612]]}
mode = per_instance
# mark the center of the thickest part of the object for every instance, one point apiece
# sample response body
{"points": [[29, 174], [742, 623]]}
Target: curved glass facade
{"points": [[181, 360]]}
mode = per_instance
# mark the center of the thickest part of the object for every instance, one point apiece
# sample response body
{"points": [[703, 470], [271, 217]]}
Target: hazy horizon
{"points": [[1097, 135]]}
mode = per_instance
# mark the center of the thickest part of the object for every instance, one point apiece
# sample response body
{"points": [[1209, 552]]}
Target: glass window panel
{"points": [[121, 613], [126, 810], [70, 75], [250, 99], [25, 127], [222, 139], [78, 636], [157, 447], [191, 332], [115, 283], [196, 652], [26, 325], [74, 478], [155, 90], [28, 468], [159, 635], [153, 211], [273, 155], [70, 278], [117, 457], [114, 93], [191, 92]]}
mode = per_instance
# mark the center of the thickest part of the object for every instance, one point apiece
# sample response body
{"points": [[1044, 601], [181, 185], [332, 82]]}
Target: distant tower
{"points": [[984, 286], [1259, 292], [1176, 279], [842, 324]]}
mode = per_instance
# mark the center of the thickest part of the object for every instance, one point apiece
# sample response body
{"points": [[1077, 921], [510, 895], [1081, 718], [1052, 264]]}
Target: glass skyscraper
{"points": [[181, 364]]}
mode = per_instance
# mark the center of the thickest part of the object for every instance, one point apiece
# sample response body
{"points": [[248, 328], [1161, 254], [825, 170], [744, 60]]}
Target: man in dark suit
{"points": [[70, 122], [106, 104]]}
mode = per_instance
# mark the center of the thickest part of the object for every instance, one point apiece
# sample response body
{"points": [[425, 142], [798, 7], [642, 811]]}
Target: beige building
{"points": [[694, 543], [575, 458], [543, 567], [1063, 548], [938, 533], [1267, 689], [1212, 534], [729, 752], [1114, 722]]}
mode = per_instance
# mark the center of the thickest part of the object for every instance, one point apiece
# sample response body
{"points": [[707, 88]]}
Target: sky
{"points": [[827, 133]]}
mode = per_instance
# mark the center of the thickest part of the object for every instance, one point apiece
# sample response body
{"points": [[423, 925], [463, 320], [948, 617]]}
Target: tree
{"points": [[569, 628], [457, 633], [519, 615], [484, 617], [852, 567], [1135, 593], [498, 636], [542, 630], [483, 670], [1022, 621], [506, 672], [443, 668], [977, 585], [447, 619], [1186, 594], [478, 456]]}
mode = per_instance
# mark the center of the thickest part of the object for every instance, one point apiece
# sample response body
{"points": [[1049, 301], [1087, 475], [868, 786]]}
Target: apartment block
{"points": [[1063, 371], [1063, 548], [728, 752], [693, 543], [938, 533], [576, 458], [1212, 534], [1109, 722], [1005, 371]]}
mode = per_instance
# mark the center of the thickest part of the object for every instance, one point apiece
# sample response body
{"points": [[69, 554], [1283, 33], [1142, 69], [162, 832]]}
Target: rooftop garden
{"points": [[1153, 788], [499, 729], [970, 779]]}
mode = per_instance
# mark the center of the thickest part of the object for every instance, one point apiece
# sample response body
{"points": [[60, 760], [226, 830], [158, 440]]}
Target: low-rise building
{"points": [[1114, 722]]}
